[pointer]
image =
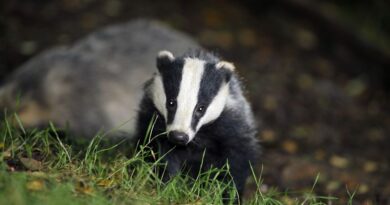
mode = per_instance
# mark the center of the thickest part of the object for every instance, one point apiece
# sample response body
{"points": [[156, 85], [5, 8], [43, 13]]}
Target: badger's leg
{"points": [[239, 171], [172, 168], [239, 157], [238, 174]]}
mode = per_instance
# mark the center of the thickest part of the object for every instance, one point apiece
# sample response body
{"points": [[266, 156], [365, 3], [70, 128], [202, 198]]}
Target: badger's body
{"points": [[200, 106]]}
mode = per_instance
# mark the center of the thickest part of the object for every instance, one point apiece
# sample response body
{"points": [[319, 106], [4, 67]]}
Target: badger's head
{"points": [[189, 92]]}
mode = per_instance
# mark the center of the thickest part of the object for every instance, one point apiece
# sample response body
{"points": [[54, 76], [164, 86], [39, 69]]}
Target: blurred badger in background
{"points": [[94, 85]]}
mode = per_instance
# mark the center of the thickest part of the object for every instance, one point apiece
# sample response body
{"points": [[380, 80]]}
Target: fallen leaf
{"points": [[105, 183], [301, 131], [333, 186], [301, 171], [367, 202], [82, 187], [7, 154], [35, 185], [288, 200], [290, 146], [363, 188], [319, 154], [376, 135], [31, 163], [339, 162], [39, 174], [370, 166], [268, 135]]}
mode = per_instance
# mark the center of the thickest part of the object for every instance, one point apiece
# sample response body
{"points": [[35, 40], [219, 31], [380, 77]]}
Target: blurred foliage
{"points": [[370, 18]]}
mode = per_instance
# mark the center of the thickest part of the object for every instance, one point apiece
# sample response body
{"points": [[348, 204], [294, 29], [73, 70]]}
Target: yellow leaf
{"points": [[35, 185], [370, 166], [333, 185], [105, 183], [363, 189], [339, 162], [290, 146], [84, 188], [268, 135], [7, 153], [288, 200]]}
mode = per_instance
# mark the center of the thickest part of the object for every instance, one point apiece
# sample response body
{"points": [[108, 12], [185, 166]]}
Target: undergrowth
{"points": [[42, 167]]}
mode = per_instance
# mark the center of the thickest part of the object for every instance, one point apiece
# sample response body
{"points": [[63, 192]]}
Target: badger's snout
{"points": [[179, 138]]}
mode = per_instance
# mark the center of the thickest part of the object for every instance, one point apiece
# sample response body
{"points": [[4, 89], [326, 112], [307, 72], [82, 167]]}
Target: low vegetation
{"points": [[42, 167]]}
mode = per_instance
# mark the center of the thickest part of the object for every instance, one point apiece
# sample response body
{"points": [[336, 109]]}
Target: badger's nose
{"points": [[179, 138]]}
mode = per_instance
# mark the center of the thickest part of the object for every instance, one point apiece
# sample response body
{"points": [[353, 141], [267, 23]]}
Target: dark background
{"points": [[316, 72]]}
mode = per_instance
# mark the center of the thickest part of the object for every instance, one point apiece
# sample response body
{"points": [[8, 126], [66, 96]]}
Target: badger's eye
{"points": [[171, 103], [200, 109]]}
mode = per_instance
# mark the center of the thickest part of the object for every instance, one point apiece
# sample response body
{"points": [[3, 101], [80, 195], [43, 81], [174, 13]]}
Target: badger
{"points": [[97, 85], [203, 119]]}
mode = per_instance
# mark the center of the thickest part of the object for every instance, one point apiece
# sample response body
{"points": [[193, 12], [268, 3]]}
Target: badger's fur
{"points": [[200, 106]]}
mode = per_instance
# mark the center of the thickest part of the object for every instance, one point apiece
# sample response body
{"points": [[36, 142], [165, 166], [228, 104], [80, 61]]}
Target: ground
{"points": [[322, 106]]}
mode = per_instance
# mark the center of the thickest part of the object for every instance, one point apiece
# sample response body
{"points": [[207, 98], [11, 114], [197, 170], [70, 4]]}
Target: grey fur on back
{"points": [[94, 85]]}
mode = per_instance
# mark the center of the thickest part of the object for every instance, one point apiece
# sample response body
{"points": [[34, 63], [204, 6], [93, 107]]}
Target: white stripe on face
{"points": [[188, 96], [158, 95], [216, 106]]}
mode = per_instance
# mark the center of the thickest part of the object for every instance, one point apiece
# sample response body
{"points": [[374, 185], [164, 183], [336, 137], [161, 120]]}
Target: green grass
{"points": [[40, 167]]}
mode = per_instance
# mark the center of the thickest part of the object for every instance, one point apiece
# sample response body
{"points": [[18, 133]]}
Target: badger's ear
{"points": [[164, 59], [227, 67]]}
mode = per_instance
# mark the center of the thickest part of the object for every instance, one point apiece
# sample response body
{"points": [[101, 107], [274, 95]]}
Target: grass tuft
{"points": [[41, 167]]}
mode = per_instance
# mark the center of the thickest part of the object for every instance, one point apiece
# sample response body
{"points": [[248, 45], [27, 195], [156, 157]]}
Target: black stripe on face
{"points": [[210, 84], [171, 78]]}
